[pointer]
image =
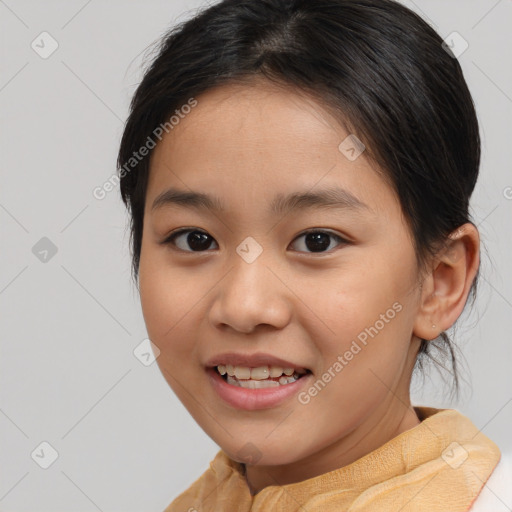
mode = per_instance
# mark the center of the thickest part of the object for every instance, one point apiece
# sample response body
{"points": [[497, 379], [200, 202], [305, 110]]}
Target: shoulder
{"points": [[496, 495], [222, 475]]}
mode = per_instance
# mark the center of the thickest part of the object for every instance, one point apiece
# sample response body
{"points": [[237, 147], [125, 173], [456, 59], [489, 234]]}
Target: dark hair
{"points": [[377, 65]]}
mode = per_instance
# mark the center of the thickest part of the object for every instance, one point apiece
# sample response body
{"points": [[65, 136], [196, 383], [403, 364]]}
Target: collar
{"points": [[441, 464]]}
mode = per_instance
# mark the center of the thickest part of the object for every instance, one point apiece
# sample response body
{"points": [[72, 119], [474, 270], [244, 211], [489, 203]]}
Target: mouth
{"points": [[256, 381], [259, 377]]}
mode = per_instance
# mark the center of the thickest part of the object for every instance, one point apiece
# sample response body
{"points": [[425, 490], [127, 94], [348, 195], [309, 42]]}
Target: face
{"points": [[254, 280]]}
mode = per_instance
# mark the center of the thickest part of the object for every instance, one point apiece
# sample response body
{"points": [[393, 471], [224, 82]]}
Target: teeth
{"points": [[260, 373], [287, 380], [242, 372], [276, 371], [231, 380], [256, 378], [253, 384]]}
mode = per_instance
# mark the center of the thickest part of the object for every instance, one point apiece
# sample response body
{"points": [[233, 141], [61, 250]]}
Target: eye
{"points": [[318, 240], [197, 240]]}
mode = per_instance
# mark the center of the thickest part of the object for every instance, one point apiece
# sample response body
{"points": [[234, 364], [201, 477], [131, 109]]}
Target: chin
{"points": [[262, 453]]}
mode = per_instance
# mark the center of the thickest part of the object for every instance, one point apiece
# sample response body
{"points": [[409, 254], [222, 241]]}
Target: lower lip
{"points": [[254, 399]]}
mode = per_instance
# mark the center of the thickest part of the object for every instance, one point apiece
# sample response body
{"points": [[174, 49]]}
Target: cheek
{"points": [[362, 296], [361, 363], [168, 308], [368, 313], [167, 301]]}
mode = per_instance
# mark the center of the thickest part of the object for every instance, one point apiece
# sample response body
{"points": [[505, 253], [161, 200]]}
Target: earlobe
{"points": [[447, 286]]}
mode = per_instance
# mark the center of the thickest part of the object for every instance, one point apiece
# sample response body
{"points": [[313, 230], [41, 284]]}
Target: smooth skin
{"points": [[245, 144]]}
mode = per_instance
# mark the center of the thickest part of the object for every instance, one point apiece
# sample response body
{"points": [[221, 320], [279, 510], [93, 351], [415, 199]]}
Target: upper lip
{"points": [[251, 360]]}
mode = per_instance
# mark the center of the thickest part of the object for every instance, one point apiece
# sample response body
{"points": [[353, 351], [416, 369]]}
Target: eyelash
{"points": [[171, 238]]}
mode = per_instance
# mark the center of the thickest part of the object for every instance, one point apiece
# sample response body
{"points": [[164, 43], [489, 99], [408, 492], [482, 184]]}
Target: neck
{"points": [[368, 437], [390, 418]]}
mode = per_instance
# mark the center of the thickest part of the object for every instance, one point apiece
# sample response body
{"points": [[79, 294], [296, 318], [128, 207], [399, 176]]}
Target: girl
{"points": [[298, 175]]}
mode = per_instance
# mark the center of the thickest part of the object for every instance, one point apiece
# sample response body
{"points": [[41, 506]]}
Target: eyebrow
{"points": [[328, 198]]}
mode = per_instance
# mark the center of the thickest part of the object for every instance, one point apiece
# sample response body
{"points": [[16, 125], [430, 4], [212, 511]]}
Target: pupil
{"points": [[320, 241], [196, 240]]}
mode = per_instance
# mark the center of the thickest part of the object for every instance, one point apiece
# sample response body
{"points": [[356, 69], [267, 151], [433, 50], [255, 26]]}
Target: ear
{"points": [[446, 287]]}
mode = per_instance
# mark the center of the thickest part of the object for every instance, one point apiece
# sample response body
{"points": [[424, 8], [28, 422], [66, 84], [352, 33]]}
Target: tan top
{"points": [[439, 465]]}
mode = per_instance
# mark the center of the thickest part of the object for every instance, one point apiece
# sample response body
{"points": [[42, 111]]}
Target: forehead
{"points": [[253, 113], [260, 140]]}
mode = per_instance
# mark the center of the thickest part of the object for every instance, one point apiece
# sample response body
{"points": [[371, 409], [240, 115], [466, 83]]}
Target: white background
{"points": [[68, 375]]}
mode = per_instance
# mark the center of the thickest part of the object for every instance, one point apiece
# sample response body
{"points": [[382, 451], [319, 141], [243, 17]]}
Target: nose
{"points": [[251, 295]]}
